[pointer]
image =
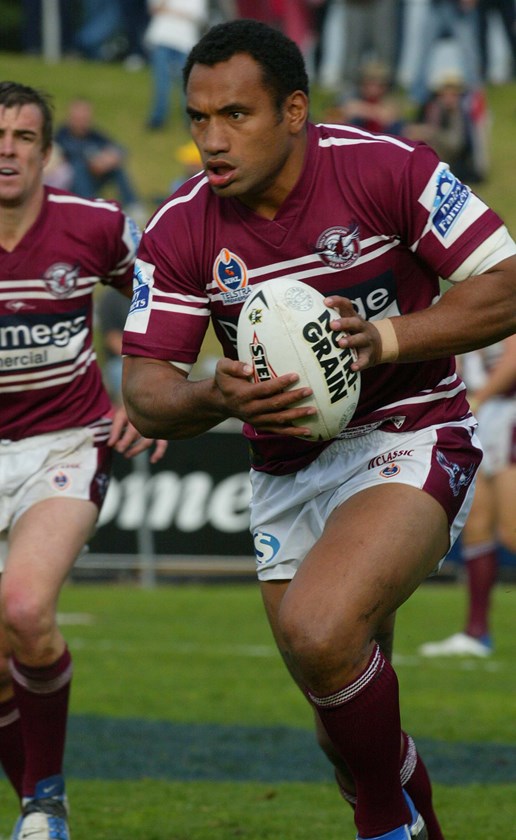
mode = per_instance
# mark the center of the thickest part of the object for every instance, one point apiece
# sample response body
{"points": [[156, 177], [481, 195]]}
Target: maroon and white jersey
{"points": [[374, 218], [49, 379]]}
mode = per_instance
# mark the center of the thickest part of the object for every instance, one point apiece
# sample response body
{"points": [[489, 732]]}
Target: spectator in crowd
{"points": [[174, 28], [455, 122], [101, 20], [111, 312], [370, 33], [32, 24], [456, 18], [490, 375], [135, 19], [98, 162], [58, 432], [320, 9], [372, 107], [58, 171], [188, 156], [505, 10]]}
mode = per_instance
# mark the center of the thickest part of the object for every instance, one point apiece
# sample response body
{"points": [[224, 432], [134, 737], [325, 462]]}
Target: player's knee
{"points": [[318, 642], [26, 619]]}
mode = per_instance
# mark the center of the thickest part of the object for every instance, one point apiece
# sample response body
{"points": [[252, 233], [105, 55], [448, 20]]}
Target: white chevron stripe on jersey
{"points": [[98, 203], [362, 136], [182, 199]]}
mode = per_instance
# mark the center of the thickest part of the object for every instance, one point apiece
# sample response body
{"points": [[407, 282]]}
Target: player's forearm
{"points": [[477, 312], [167, 406]]}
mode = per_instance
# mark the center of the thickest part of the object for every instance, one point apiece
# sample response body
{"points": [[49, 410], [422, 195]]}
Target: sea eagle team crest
{"points": [[339, 247], [61, 279]]}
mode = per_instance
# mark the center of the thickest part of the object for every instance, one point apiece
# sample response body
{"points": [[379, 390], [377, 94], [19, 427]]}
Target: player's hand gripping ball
{"points": [[283, 327]]}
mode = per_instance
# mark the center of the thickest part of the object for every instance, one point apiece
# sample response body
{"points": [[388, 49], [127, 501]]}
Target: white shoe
{"points": [[45, 815], [460, 644]]}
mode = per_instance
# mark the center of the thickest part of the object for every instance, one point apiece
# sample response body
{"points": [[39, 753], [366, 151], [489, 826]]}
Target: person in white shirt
{"points": [[174, 28]]}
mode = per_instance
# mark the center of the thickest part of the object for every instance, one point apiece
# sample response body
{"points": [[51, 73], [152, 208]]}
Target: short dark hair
{"points": [[282, 63], [14, 94]]}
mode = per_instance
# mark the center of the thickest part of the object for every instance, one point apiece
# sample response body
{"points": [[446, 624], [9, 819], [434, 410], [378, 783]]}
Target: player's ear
{"points": [[296, 110]]}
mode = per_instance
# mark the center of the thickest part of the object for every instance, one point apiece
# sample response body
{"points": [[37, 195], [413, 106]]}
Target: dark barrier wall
{"points": [[195, 500]]}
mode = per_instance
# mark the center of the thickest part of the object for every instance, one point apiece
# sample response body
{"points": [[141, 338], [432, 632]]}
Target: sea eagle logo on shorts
{"points": [[102, 482], [60, 481], [459, 477], [451, 197], [339, 247], [390, 471], [230, 275], [61, 279]]}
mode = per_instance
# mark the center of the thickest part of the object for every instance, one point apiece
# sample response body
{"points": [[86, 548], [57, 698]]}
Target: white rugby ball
{"points": [[283, 327]]}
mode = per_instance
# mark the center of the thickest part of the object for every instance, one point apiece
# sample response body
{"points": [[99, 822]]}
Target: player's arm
{"points": [[501, 378], [475, 312], [162, 402]]}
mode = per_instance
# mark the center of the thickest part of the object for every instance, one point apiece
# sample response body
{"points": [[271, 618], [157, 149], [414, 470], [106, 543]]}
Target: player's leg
{"points": [[355, 576], [504, 485], [479, 540], [11, 744], [43, 545], [480, 561]]}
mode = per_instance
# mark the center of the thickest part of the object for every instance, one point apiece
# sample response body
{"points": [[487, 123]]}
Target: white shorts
{"points": [[288, 513], [497, 431], [58, 464]]}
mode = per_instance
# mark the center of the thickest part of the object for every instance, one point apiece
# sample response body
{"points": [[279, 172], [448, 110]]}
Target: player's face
{"points": [[22, 158], [248, 147]]}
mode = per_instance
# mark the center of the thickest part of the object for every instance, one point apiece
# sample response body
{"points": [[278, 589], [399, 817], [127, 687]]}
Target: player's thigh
{"points": [[375, 550], [504, 495], [43, 545], [480, 524]]}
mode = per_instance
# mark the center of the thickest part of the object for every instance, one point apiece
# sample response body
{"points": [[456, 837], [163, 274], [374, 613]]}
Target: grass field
{"points": [[185, 726]]}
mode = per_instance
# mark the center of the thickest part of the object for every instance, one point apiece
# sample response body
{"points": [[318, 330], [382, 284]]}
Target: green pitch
{"points": [[185, 726]]}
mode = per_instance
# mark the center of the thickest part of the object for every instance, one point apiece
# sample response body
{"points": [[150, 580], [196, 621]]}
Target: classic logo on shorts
{"points": [[60, 481], [339, 247], [390, 471], [266, 546], [230, 275], [387, 458], [451, 197], [458, 476], [61, 279]]}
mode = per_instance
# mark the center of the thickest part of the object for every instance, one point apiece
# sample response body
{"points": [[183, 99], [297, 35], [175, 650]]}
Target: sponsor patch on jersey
{"points": [[230, 275], [266, 547], [451, 197], [61, 279], [140, 299], [140, 308], [339, 247], [459, 477]]}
